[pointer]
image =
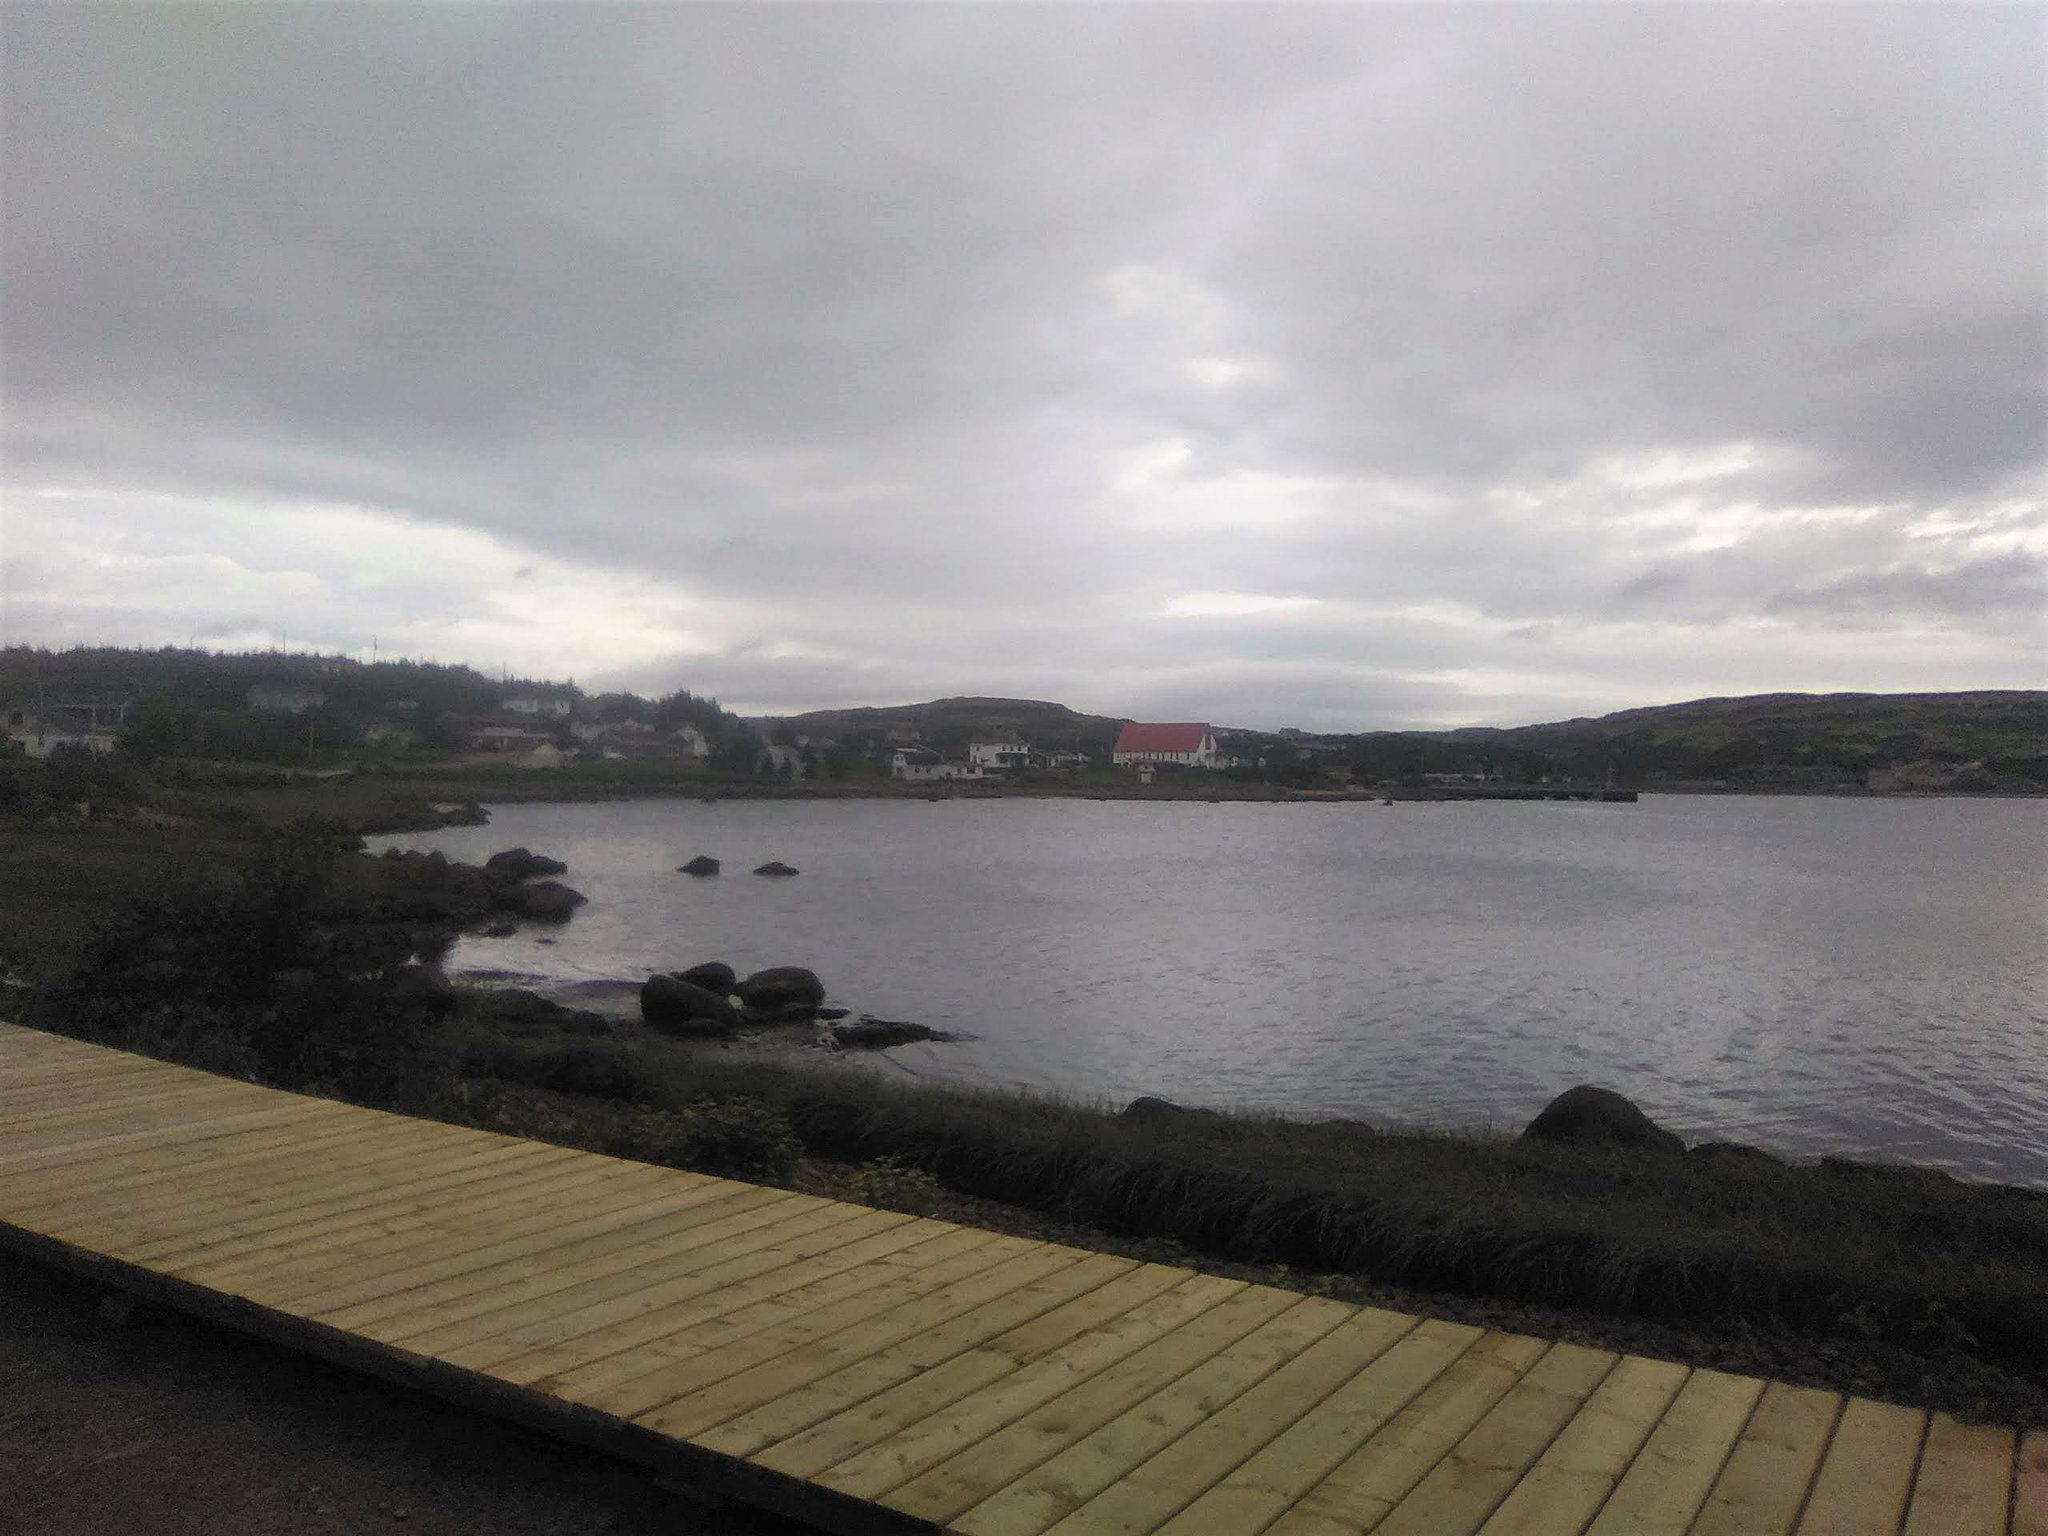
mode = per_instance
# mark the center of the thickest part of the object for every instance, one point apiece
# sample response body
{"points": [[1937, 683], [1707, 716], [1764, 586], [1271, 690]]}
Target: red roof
{"points": [[1184, 737]]}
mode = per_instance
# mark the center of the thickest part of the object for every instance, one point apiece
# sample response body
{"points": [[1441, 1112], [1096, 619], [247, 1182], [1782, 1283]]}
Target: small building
{"points": [[505, 738], [915, 765], [284, 698], [543, 705], [1188, 744], [999, 756], [39, 733], [387, 733]]}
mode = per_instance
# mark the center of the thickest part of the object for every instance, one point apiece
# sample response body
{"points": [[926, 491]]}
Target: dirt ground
{"points": [[170, 1426]]}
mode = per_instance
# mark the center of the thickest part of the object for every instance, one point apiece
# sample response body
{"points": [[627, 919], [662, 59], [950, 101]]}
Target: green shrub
{"points": [[892, 1186], [732, 1138]]}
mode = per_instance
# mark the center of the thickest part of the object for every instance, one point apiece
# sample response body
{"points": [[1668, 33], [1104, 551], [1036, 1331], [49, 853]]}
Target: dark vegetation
{"points": [[300, 969], [1794, 740]]}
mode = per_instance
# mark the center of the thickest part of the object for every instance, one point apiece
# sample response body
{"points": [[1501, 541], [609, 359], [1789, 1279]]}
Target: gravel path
{"points": [[175, 1427]]}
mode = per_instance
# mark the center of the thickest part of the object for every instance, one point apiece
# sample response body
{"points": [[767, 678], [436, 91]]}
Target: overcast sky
{"points": [[1337, 366]]}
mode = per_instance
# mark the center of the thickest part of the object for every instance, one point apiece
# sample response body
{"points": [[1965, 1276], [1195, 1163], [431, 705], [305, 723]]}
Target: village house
{"points": [[505, 738], [551, 706], [1188, 744], [1000, 756], [94, 727], [915, 765], [284, 698]]}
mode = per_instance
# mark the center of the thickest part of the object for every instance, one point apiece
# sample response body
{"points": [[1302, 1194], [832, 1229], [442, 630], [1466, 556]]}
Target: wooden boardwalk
{"points": [[869, 1371]]}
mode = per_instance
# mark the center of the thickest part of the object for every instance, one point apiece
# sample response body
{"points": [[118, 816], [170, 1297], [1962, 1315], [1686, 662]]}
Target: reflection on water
{"points": [[1856, 976]]}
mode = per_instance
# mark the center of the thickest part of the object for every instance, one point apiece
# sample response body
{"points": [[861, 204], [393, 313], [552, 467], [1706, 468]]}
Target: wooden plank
{"points": [[1866, 1473], [106, 1195], [1270, 1482], [52, 1158], [731, 1338], [1368, 1483], [524, 1230], [929, 1349], [697, 1237], [390, 1254], [1563, 1491], [45, 1143], [738, 1377], [379, 1245], [1464, 1488], [31, 1109], [604, 1322], [541, 1192], [312, 1213], [973, 1475], [1764, 1484], [607, 1205], [1964, 1484], [953, 1428], [1669, 1480], [892, 1409], [2030, 1489], [1221, 1437]]}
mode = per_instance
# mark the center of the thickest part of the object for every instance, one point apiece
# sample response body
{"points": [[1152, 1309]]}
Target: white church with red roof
{"points": [[1189, 743]]}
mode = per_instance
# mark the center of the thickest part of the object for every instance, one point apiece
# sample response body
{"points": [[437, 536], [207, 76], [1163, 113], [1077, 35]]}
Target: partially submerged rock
{"points": [[779, 987], [1589, 1116], [510, 865], [712, 976], [549, 901], [678, 1007], [700, 866], [870, 1033], [774, 867]]}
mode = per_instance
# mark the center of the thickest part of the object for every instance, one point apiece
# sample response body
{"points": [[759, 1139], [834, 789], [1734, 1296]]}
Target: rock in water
{"points": [[513, 864], [870, 1033], [712, 976], [676, 1007], [700, 866], [781, 986], [548, 902], [1588, 1116], [775, 867]]}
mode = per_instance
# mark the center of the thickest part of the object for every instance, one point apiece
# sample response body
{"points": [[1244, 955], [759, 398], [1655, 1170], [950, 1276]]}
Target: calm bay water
{"points": [[1862, 977]]}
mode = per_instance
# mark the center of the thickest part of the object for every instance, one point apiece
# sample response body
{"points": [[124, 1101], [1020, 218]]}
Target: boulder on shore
{"points": [[1152, 1108], [870, 1033], [1589, 1116], [775, 867], [779, 986], [712, 976], [550, 901], [676, 1007], [700, 866], [510, 865]]}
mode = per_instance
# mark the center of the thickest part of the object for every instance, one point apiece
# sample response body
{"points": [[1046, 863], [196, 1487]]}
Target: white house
{"points": [[539, 704], [999, 755], [915, 766], [1191, 744], [40, 735]]}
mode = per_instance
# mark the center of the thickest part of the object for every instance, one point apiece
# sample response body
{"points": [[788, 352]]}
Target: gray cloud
{"points": [[922, 349]]}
